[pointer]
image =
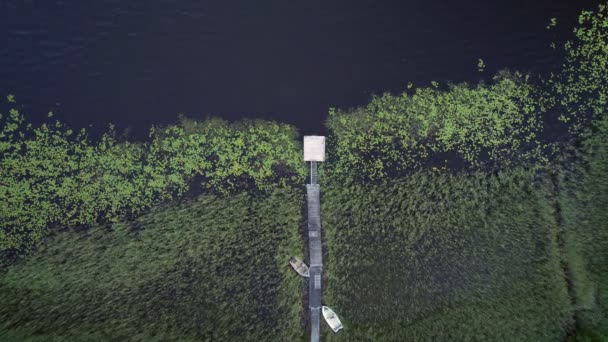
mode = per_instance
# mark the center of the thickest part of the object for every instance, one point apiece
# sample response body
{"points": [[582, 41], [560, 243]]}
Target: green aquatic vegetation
{"points": [[487, 126], [444, 258], [578, 91], [54, 177], [208, 269], [585, 221], [250, 154]]}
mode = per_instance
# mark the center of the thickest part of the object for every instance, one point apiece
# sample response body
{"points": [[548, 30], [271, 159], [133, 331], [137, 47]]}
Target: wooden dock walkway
{"points": [[316, 254]]}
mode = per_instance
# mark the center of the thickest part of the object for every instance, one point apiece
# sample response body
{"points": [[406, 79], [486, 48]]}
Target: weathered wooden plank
{"points": [[315, 319]]}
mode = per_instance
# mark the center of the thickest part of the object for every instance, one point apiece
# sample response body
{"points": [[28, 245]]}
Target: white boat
{"points": [[332, 319], [300, 267]]}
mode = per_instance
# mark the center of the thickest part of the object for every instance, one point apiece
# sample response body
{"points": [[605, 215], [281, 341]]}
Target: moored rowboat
{"points": [[332, 319], [300, 267]]}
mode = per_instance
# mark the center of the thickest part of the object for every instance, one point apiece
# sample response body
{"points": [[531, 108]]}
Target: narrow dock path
{"points": [[315, 252]]}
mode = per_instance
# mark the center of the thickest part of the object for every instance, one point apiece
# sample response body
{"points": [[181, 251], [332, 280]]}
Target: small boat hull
{"points": [[300, 267], [332, 319]]}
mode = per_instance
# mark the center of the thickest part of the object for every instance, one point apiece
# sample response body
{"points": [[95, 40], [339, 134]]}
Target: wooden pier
{"points": [[314, 152], [316, 254]]}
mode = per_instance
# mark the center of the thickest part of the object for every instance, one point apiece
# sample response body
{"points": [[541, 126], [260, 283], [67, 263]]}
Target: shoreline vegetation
{"points": [[449, 213]]}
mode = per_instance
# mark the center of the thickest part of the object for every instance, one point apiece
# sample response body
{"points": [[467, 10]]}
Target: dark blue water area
{"points": [[138, 63]]}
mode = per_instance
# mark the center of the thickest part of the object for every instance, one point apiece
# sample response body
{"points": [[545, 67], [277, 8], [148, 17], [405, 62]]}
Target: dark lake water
{"points": [[136, 63]]}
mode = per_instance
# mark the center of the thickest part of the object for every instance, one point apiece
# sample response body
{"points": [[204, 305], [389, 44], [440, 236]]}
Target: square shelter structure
{"points": [[314, 148]]}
